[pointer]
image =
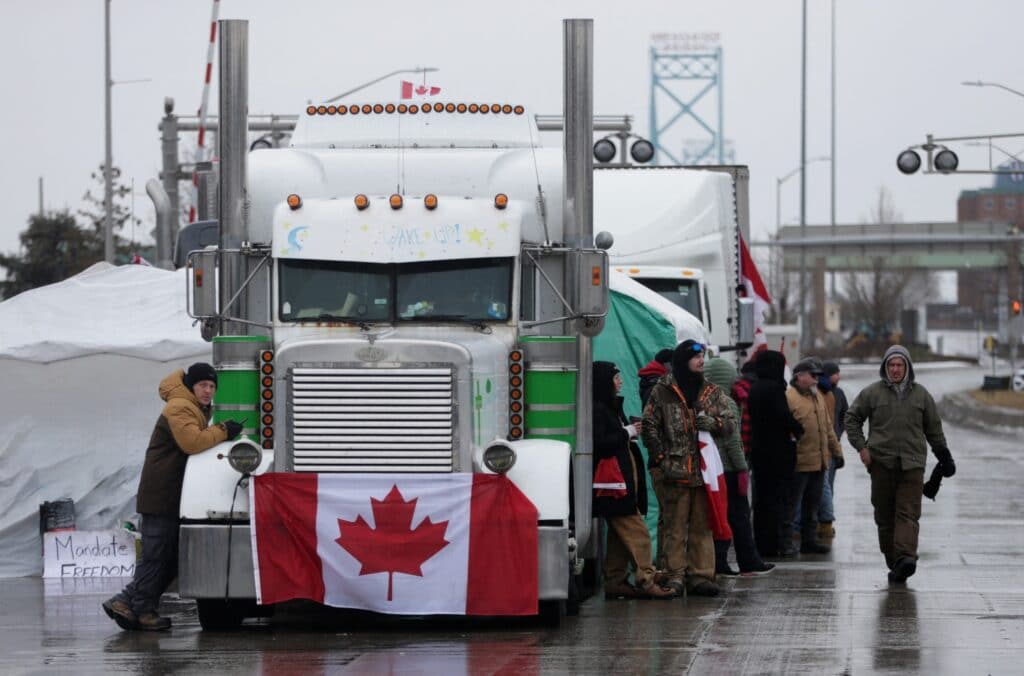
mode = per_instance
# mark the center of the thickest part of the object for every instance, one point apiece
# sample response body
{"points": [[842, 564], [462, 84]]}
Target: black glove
{"points": [[945, 458], [931, 487], [232, 428], [840, 461]]}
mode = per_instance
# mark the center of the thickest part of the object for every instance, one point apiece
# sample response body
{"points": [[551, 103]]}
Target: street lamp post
{"points": [[108, 180], [778, 187], [803, 232]]}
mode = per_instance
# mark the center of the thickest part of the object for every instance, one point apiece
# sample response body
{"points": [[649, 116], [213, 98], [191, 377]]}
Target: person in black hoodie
{"points": [[621, 505], [653, 370], [774, 432]]}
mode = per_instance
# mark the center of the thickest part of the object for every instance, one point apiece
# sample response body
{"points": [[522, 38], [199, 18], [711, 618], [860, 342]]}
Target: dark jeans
{"points": [[159, 564], [896, 497], [807, 498], [772, 512], [742, 533]]}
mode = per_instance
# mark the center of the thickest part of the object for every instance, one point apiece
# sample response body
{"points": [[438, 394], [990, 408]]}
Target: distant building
{"points": [[1004, 202]]}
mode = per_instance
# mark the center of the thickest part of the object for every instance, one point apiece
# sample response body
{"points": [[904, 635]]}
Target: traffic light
{"points": [[1015, 307]]}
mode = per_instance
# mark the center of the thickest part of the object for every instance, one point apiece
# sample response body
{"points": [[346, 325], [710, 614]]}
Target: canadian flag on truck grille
{"points": [[461, 544]]}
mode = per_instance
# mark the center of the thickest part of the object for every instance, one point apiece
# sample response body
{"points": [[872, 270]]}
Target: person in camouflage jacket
{"points": [[681, 404]]}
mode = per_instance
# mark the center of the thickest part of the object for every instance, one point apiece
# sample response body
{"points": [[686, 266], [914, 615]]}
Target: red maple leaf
{"points": [[393, 546]]}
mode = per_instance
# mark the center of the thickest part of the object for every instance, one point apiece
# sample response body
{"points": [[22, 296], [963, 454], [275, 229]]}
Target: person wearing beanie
{"points": [[814, 450], [651, 371], [620, 495], [681, 405], [181, 430], [737, 480], [903, 420], [829, 382]]}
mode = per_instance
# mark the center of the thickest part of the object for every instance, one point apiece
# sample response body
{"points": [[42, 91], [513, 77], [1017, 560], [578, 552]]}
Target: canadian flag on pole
{"points": [[408, 544], [410, 90], [750, 278], [713, 473]]}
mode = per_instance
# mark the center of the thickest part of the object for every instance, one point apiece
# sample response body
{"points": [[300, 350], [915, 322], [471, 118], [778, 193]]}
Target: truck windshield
{"points": [[476, 289], [683, 292], [325, 290], [470, 290]]}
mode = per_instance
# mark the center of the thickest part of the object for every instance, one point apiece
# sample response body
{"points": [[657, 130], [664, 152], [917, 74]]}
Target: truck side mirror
{"points": [[203, 283], [593, 291], [745, 327]]}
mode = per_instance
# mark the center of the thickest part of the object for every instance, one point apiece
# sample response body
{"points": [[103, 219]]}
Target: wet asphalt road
{"points": [[962, 613]]}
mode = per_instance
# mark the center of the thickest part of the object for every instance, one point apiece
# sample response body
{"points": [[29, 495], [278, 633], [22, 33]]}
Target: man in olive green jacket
{"points": [[902, 416]]}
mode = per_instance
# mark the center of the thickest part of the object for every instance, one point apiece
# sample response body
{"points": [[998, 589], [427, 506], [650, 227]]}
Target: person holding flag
{"points": [[682, 405]]}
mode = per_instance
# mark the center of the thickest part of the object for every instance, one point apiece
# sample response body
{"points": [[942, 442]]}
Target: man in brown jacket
{"points": [[814, 450], [181, 430]]}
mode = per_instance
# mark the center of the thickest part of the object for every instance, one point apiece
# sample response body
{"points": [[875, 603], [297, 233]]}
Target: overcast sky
{"points": [[899, 69]]}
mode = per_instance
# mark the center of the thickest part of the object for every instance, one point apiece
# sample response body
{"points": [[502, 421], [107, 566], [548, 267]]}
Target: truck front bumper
{"points": [[203, 560]]}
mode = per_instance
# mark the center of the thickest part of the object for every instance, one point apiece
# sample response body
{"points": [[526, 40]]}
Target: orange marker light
{"points": [[450, 108], [430, 202], [378, 108], [353, 109], [426, 108], [516, 368], [506, 109], [268, 443], [294, 201], [268, 406], [367, 108], [267, 381], [462, 107], [501, 200], [484, 108], [515, 355], [331, 110], [519, 110], [266, 355], [473, 108], [413, 109], [515, 433], [199, 277], [516, 406], [311, 110], [402, 108], [268, 420], [438, 107], [395, 201], [390, 108], [321, 110], [362, 201], [595, 275]]}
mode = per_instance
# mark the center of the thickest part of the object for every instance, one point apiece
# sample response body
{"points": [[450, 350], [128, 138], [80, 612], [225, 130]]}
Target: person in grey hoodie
{"points": [[902, 418]]}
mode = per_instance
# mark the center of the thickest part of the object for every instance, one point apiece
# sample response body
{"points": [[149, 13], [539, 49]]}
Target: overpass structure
{"points": [[989, 245]]}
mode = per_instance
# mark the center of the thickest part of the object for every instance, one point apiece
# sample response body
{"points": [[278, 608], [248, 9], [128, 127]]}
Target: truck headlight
{"points": [[499, 457], [244, 457]]}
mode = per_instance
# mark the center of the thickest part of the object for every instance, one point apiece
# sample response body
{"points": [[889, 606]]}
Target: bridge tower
{"points": [[686, 106]]}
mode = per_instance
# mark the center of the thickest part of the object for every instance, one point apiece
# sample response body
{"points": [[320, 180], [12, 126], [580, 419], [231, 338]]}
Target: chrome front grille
{"points": [[372, 420]]}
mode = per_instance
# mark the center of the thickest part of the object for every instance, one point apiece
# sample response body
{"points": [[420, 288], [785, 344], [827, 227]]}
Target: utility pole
{"points": [[108, 181], [832, 153], [805, 324]]}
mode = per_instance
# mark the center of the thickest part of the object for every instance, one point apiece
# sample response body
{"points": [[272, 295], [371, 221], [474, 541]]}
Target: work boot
{"points": [[813, 547], [826, 531], [153, 622], [657, 592], [905, 567], [621, 590], [704, 588], [809, 543], [120, 612]]}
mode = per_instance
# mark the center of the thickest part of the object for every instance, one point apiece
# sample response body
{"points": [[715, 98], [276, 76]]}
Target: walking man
{"points": [[902, 418]]}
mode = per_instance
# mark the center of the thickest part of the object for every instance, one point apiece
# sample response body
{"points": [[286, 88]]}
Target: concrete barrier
{"points": [[963, 409]]}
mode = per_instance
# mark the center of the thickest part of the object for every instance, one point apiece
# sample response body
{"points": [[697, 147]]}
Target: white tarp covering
{"points": [[81, 361]]}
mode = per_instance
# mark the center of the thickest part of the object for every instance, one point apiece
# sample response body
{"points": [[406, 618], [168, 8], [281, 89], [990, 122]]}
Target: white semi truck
{"points": [[677, 231], [410, 287]]}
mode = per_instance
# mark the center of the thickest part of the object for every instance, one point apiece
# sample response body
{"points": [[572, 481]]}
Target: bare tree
{"points": [[872, 301]]}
